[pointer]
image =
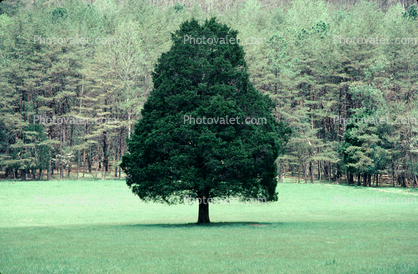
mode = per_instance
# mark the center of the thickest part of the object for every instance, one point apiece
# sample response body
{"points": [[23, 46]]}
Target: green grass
{"points": [[304, 232]]}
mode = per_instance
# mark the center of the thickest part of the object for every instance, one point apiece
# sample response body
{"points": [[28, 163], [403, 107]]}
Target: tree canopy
{"points": [[171, 156]]}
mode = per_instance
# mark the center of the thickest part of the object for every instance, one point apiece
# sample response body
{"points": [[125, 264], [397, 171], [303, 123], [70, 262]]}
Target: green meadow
{"points": [[94, 226]]}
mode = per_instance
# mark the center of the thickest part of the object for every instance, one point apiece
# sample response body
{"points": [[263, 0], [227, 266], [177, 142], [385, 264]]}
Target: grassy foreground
{"points": [[101, 227]]}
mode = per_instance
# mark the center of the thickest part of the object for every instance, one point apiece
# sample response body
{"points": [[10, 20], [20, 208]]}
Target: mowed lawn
{"points": [[101, 227]]}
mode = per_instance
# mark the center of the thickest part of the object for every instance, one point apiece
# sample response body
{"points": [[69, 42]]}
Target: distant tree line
{"points": [[309, 65]]}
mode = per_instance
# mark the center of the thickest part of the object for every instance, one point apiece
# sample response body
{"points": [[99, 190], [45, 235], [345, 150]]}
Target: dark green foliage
{"points": [[412, 13], [168, 158], [321, 28], [41, 149], [350, 142], [179, 7], [59, 13], [363, 149], [3, 138]]}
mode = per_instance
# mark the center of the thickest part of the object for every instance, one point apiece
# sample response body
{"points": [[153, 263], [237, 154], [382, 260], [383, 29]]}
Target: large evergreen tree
{"points": [[169, 158]]}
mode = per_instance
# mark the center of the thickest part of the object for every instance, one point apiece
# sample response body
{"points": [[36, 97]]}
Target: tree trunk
{"points": [[89, 162], [358, 179], [116, 160], [311, 171], [41, 175], [203, 211], [120, 151], [105, 156], [78, 162], [84, 161], [48, 176], [403, 179], [393, 174], [97, 168], [329, 174], [327, 170], [319, 170], [104, 172], [347, 176], [336, 174]]}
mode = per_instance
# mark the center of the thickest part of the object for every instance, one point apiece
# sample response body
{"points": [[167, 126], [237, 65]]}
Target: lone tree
{"points": [[193, 139]]}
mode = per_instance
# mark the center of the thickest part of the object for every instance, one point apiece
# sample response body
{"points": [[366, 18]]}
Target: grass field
{"points": [[101, 227]]}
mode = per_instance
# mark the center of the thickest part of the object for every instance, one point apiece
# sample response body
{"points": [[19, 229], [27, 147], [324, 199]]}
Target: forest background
{"points": [[327, 65]]}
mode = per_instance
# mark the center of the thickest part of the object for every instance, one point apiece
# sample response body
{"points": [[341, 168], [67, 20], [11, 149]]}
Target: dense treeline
{"points": [[304, 58]]}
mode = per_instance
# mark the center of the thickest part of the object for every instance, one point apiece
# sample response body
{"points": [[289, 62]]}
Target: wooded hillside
{"points": [[323, 62]]}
